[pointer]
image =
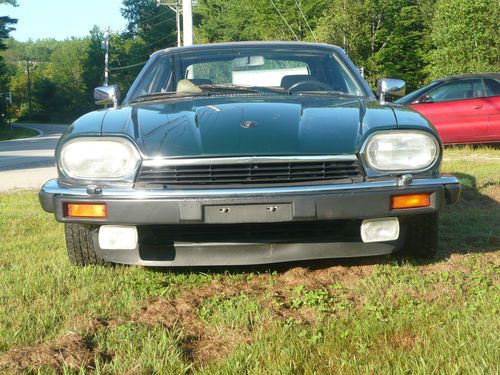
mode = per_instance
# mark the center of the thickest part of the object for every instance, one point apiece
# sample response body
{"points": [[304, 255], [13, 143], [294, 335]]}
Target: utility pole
{"points": [[187, 21], [106, 56], [176, 7]]}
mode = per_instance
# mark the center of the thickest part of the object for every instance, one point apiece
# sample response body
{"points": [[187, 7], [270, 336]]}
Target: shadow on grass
{"points": [[470, 226], [473, 224]]}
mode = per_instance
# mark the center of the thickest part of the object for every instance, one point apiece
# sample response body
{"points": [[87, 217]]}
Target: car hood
{"points": [[248, 126]]}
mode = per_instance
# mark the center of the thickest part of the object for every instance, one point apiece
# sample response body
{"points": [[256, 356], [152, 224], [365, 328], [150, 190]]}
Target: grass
{"points": [[6, 133], [365, 316]]}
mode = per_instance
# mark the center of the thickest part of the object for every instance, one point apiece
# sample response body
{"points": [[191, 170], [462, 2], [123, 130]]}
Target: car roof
{"points": [[250, 44], [469, 75]]}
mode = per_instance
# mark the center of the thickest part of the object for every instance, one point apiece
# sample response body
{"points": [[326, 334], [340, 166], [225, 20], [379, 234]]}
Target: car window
{"points": [[492, 87], [413, 96], [456, 90], [269, 68], [270, 73], [157, 79], [253, 70]]}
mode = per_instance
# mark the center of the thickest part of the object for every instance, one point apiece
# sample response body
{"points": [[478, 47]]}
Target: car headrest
{"points": [[185, 85], [201, 81], [290, 80]]}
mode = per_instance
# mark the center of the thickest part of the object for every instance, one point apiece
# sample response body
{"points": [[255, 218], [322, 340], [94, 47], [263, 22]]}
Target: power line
{"points": [[159, 23], [305, 19], [125, 53], [284, 19], [148, 45], [139, 48], [129, 66], [149, 12], [145, 23], [151, 18]]}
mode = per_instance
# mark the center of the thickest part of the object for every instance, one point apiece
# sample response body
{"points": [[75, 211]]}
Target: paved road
{"points": [[28, 163]]}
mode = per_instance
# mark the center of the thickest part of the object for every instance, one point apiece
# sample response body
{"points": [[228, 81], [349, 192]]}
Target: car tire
{"points": [[421, 237], [81, 250]]}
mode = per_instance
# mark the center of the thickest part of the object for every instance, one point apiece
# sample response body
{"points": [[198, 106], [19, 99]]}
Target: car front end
{"points": [[232, 178]]}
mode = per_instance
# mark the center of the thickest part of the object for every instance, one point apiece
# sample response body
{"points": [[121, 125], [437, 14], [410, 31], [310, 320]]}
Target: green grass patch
{"points": [[7, 133], [375, 316]]}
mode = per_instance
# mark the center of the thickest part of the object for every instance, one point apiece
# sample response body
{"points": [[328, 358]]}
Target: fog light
{"points": [[378, 230], [117, 237]]}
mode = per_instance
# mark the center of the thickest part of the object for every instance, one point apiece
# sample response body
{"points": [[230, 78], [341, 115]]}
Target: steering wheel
{"points": [[316, 83]]}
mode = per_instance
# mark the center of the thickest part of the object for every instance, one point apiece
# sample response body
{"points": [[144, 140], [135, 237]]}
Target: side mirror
{"points": [[391, 87], [104, 95]]}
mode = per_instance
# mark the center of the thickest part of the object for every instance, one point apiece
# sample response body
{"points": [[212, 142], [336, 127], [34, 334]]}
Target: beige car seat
{"points": [[185, 85]]}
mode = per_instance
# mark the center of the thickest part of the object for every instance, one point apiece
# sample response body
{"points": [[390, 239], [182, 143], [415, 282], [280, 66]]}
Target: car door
{"points": [[492, 87], [458, 109]]}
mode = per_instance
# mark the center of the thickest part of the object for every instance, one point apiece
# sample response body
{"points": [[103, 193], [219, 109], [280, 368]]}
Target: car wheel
{"points": [[81, 250], [421, 237]]}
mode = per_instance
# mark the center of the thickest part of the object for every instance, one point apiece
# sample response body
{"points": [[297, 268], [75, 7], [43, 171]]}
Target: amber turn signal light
{"points": [[86, 210], [410, 201]]}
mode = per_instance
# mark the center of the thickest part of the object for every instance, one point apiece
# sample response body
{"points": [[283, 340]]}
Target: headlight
{"points": [[99, 158], [401, 151]]}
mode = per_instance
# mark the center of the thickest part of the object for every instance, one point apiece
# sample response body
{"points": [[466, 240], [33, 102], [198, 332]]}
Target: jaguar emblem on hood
{"points": [[248, 124]]}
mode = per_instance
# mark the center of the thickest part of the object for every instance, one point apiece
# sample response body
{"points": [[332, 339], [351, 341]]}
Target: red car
{"points": [[464, 108]]}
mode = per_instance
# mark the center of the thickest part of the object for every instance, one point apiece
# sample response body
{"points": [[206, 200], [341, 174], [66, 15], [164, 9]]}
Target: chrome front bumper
{"points": [[320, 202], [166, 210]]}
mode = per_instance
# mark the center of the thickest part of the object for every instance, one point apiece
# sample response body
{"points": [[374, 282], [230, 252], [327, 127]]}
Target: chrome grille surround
{"points": [[250, 170]]}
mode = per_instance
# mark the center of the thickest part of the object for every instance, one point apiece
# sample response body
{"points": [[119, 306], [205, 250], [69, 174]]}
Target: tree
{"points": [[150, 28], [466, 37], [235, 20], [153, 24], [93, 62], [5, 28], [65, 70], [387, 37]]}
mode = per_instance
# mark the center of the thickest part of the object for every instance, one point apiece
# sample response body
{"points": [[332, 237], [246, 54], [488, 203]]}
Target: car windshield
{"points": [[248, 70]]}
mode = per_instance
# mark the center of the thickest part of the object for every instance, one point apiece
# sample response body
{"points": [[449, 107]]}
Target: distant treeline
{"points": [[416, 40]]}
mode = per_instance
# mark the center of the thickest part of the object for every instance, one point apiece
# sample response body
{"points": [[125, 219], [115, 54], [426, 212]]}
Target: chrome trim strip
{"points": [[52, 187], [160, 162]]}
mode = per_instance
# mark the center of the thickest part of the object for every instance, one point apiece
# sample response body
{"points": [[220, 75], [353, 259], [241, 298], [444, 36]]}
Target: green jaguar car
{"points": [[248, 153]]}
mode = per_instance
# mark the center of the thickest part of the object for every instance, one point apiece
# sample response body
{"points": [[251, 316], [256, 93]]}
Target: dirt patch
{"points": [[199, 343], [71, 351], [209, 345], [456, 262], [492, 193], [167, 313], [438, 291], [453, 263], [404, 339]]}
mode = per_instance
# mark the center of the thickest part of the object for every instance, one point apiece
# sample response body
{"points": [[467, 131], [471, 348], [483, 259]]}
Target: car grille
{"points": [[252, 173]]}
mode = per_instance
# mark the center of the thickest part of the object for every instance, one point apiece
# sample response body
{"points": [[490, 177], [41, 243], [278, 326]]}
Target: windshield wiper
{"points": [[168, 94], [248, 89], [322, 93], [227, 87], [209, 89]]}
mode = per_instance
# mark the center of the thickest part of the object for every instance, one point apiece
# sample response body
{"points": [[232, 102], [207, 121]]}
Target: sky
{"points": [[61, 19]]}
